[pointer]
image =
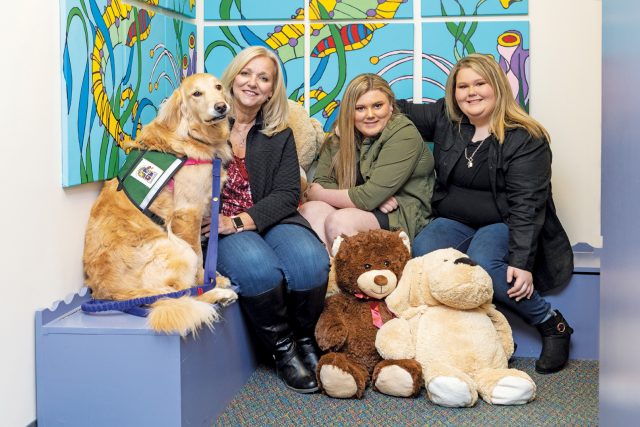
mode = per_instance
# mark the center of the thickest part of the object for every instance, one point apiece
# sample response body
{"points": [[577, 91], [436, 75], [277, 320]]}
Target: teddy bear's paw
{"points": [[395, 381], [451, 392], [513, 391], [337, 383]]}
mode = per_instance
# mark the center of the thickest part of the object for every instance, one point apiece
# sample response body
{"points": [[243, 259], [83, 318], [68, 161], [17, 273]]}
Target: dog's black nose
{"points": [[465, 260], [220, 107]]}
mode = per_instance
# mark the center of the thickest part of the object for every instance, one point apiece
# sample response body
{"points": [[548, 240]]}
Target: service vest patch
{"points": [[145, 173]]}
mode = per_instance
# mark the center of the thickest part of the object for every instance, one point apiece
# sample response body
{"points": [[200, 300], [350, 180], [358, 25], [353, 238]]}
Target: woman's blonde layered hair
{"points": [[507, 114], [276, 110], [346, 161]]}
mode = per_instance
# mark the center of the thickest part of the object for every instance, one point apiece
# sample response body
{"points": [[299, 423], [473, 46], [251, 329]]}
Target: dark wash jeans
{"points": [[286, 253]]}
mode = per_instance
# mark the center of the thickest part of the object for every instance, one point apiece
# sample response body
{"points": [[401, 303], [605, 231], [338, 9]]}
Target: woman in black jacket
{"points": [[493, 196], [266, 249]]}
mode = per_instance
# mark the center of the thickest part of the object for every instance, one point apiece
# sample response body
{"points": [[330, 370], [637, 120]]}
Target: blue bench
{"points": [[579, 302], [110, 369]]}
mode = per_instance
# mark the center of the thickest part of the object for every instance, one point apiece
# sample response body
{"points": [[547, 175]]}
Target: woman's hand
{"points": [[225, 225], [313, 192], [522, 286], [389, 205], [205, 227]]}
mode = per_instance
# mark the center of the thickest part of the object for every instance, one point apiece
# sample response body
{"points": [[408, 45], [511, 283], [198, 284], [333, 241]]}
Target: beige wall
{"points": [[566, 46], [43, 225]]}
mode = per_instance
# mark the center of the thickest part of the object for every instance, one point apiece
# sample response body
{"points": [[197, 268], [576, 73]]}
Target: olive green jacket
{"points": [[395, 163]]}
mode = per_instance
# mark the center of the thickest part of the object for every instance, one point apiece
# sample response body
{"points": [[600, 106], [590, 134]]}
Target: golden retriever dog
{"points": [[126, 254]]}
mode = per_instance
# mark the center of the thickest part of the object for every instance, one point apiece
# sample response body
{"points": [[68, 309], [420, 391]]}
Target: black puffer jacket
{"points": [[520, 175]]}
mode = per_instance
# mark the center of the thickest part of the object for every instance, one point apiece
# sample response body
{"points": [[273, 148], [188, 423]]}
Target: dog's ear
{"points": [[170, 113]]}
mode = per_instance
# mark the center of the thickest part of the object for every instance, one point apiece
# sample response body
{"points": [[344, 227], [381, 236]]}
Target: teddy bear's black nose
{"points": [[465, 260]]}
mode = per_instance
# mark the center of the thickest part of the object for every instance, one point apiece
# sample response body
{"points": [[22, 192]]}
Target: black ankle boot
{"points": [[267, 314], [292, 370], [556, 339], [304, 311]]}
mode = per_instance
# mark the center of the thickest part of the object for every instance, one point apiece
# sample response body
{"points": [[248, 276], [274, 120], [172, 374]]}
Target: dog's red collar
{"points": [[190, 162]]}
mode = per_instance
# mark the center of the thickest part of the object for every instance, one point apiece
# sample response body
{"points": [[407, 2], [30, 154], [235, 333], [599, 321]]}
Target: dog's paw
{"points": [[220, 296], [200, 275], [222, 281]]}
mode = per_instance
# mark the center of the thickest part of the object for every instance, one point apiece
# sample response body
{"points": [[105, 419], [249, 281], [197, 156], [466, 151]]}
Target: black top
{"points": [[469, 199]]}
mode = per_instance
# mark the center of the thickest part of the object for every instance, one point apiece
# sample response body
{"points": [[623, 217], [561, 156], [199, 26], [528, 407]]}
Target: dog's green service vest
{"points": [[145, 173]]}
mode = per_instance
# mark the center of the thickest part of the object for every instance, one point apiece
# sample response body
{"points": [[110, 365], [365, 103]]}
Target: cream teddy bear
{"points": [[309, 136], [447, 323]]}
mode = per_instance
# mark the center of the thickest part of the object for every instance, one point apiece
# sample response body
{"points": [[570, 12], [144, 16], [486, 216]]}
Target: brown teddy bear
{"points": [[448, 324], [368, 267]]}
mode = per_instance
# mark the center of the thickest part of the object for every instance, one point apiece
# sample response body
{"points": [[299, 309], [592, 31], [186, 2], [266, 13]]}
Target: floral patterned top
{"points": [[236, 193]]}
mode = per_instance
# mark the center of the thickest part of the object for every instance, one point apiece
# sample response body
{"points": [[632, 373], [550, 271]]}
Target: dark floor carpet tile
{"points": [[567, 398]]}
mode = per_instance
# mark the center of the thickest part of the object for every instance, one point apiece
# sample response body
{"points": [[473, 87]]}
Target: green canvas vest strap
{"points": [[145, 173]]}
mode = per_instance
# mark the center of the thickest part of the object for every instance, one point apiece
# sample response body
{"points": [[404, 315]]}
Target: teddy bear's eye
{"points": [[386, 263], [367, 266]]}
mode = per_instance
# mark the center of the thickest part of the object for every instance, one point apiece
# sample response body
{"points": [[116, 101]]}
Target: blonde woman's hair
{"points": [[276, 110], [507, 113], [345, 162]]}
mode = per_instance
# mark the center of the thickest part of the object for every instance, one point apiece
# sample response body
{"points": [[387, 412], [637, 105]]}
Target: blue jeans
{"points": [[489, 247], [287, 253]]}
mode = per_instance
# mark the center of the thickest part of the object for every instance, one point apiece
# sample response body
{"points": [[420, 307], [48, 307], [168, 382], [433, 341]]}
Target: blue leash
{"points": [[136, 306]]}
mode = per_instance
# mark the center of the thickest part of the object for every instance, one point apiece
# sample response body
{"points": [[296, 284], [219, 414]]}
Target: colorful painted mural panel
{"points": [[359, 9], [222, 43], [341, 52], [119, 63], [183, 7], [443, 43], [253, 9], [456, 8]]}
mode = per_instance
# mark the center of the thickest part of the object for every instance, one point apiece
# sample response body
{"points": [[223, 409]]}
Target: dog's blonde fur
{"points": [[126, 254]]}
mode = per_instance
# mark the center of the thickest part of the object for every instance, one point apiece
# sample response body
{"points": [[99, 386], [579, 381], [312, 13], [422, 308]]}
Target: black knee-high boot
{"points": [[305, 308], [267, 314], [556, 339]]}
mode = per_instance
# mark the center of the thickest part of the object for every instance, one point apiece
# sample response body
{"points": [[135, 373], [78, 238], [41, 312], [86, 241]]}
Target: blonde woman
{"points": [[493, 196], [266, 249], [376, 173]]}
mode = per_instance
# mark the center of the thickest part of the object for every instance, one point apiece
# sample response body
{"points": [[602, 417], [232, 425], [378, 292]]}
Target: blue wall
{"points": [[620, 263]]}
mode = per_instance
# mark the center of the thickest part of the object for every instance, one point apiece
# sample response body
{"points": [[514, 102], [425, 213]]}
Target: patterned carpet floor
{"points": [[567, 398]]}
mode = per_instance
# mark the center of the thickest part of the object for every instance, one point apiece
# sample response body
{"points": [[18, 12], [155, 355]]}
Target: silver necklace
{"points": [[242, 133], [470, 158]]}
